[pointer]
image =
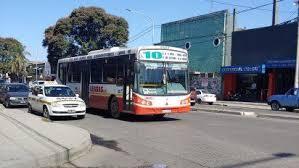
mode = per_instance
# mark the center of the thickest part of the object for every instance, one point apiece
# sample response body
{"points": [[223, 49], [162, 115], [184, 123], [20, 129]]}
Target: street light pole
{"points": [[296, 85], [36, 71], [149, 19]]}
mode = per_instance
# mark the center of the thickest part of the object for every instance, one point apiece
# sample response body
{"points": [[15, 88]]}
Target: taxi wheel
{"points": [[30, 108], [113, 108], [7, 104], [46, 113]]}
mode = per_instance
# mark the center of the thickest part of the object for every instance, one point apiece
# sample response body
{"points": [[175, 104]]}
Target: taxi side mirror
{"points": [[77, 95]]}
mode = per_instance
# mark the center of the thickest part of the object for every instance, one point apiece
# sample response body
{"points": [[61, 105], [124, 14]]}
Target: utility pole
{"points": [[296, 85], [275, 13], [234, 19]]}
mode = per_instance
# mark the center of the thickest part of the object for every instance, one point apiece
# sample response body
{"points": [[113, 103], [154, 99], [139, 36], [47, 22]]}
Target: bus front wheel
{"points": [[158, 116], [113, 108]]}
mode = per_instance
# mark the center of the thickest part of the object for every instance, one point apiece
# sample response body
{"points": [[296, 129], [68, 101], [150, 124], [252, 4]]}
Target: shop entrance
{"points": [[285, 80], [252, 87]]}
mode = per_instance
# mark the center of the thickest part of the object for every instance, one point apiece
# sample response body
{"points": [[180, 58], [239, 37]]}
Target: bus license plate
{"points": [[166, 111]]}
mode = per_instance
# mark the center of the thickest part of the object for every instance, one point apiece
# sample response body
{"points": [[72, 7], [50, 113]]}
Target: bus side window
{"points": [[120, 74], [109, 73], [96, 72]]}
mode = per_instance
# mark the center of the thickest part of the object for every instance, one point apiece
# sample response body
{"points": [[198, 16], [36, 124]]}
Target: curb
{"points": [[285, 117], [248, 114], [256, 107], [63, 156]]}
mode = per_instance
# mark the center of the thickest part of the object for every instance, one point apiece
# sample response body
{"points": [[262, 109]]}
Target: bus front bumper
{"points": [[141, 110]]}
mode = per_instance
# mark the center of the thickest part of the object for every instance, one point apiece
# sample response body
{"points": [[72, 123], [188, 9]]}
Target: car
{"points": [[54, 100], [2, 81], [14, 94], [289, 100], [36, 83], [193, 97], [205, 97]]}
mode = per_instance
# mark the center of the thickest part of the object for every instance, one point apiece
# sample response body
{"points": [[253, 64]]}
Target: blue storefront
{"points": [[257, 82]]}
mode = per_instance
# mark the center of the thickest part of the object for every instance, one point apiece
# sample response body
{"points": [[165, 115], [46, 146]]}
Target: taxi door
{"points": [[33, 99], [40, 98]]}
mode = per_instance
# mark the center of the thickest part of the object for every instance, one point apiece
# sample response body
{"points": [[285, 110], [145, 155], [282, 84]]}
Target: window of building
{"points": [[96, 72]]}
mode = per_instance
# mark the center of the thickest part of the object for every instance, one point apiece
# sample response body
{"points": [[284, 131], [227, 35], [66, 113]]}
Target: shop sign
{"points": [[281, 64], [248, 69]]}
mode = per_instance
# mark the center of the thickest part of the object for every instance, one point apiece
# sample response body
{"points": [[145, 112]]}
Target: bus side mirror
{"points": [[136, 67]]}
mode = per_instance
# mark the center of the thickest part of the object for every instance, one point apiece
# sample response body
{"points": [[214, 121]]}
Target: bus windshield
{"points": [[162, 78]]}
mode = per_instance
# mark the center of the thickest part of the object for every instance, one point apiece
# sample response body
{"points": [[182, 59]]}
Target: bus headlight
{"points": [[141, 101]]}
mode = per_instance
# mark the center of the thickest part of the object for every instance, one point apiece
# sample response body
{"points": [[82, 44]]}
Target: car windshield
{"points": [[205, 92], [59, 91], [162, 78], [17, 88]]}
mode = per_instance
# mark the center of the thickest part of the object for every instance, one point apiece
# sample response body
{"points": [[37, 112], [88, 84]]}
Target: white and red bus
{"points": [[150, 80]]}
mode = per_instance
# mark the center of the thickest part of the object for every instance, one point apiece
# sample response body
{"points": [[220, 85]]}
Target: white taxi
{"points": [[55, 100]]}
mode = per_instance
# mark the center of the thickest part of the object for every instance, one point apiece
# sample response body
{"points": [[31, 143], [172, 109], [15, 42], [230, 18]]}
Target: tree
{"points": [[12, 57], [85, 29]]}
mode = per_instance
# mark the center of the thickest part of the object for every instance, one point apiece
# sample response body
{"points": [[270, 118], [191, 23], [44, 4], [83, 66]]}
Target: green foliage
{"points": [[85, 29], [12, 57]]}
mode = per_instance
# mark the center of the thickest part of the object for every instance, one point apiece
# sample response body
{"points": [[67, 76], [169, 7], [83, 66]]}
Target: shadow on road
{"points": [[274, 156], [111, 144], [130, 117]]}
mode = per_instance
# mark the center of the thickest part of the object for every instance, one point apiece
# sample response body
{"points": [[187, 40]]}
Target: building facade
{"points": [[263, 62], [208, 40]]}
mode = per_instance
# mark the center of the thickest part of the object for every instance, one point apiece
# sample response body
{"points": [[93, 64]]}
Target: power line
{"points": [[215, 14], [257, 7], [244, 6], [144, 30], [141, 35]]}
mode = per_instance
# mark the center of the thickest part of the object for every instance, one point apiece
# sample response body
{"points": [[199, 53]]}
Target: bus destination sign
{"points": [[163, 55]]}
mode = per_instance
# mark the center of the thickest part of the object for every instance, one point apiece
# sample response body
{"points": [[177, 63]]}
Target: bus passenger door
{"points": [[85, 79], [128, 86]]}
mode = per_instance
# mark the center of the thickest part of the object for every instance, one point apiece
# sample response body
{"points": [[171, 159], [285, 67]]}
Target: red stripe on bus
{"points": [[138, 110]]}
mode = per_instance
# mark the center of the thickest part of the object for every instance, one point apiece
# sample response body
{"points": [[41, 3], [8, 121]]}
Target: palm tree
{"points": [[18, 66]]}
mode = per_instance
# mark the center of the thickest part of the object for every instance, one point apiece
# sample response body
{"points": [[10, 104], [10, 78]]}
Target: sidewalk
{"points": [[253, 105], [245, 111], [28, 140]]}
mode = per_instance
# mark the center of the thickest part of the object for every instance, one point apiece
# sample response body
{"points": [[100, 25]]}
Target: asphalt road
{"points": [[197, 139]]}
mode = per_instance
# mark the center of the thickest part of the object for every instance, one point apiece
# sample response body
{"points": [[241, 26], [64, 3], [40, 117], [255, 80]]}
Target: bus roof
{"points": [[117, 51]]}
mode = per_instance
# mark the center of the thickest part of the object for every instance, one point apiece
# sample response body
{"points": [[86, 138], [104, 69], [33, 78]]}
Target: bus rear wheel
{"points": [[113, 108]]}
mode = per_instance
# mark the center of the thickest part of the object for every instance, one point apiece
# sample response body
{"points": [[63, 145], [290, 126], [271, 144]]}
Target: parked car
{"points": [[2, 81], [55, 100], [35, 83], [289, 100], [193, 97], [14, 94], [205, 97]]}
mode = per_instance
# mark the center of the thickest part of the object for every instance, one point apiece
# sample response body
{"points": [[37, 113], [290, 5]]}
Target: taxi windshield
{"points": [[59, 91]]}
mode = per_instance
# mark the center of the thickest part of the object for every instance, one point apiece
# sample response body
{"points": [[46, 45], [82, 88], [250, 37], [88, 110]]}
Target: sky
{"points": [[26, 20]]}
